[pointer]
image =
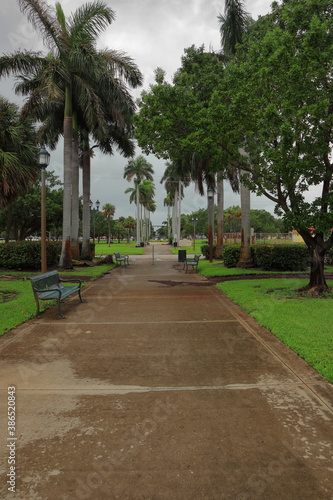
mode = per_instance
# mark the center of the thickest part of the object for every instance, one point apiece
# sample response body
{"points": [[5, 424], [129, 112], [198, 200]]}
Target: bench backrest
{"points": [[45, 280]]}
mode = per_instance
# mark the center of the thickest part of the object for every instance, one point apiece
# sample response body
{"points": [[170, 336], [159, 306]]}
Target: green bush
{"points": [[26, 255], [282, 257], [231, 255], [329, 257], [205, 251]]}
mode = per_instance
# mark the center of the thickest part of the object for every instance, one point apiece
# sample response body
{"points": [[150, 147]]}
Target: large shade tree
{"points": [[280, 96]]}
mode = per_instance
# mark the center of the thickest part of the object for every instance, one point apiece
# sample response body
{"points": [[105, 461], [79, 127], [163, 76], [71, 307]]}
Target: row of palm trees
{"points": [[141, 171], [79, 92]]}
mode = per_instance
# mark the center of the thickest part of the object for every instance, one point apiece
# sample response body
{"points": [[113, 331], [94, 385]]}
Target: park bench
{"points": [[49, 286], [121, 259], [192, 261]]}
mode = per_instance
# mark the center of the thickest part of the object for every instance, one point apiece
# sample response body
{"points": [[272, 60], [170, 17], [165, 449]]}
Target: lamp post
{"points": [[94, 210], [210, 196], [194, 220], [43, 161]]}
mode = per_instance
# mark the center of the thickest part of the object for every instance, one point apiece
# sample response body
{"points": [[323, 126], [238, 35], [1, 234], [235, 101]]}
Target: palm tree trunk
{"points": [[66, 257], [211, 227], [75, 199], [179, 209], [86, 253], [220, 218], [245, 259], [138, 232]]}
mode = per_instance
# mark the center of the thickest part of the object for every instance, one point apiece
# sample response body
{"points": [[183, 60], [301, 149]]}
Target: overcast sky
{"points": [[154, 33]]}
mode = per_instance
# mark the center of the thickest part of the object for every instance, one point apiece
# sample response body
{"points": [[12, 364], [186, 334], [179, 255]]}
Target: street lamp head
{"points": [[98, 204], [43, 158], [210, 193]]}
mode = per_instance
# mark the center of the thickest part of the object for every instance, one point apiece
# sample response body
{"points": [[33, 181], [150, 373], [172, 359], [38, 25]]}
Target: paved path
{"points": [[158, 387]]}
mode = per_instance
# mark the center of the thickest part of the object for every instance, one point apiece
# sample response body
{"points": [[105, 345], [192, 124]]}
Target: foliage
{"points": [[22, 218], [282, 257], [27, 255], [231, 255], [18, 153], [303, 324], [205, 250]]}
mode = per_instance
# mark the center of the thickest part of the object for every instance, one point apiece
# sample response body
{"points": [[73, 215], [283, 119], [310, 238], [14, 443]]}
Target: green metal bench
{"points": [[192, 261], [121, 259], [49, 286]]}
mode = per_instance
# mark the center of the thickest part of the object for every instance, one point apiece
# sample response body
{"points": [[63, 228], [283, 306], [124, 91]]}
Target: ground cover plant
{"points": [[304, 324], [21, 306]]}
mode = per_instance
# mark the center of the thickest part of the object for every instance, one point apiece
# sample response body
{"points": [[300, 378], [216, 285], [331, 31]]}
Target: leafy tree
{"points": [[18, 153], [22, 218], [280, 96]]}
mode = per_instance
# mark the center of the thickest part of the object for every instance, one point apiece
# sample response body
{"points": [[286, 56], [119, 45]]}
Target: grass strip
{"points": [[303, 324]]}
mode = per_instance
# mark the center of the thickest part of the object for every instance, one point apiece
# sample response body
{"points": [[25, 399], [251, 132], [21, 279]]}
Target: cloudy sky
{"points": [[154, 33]]}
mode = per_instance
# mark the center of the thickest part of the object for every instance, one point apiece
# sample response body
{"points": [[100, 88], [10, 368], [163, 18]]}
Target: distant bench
{"points": [[192, 261], [49, 286], [121, 259]]}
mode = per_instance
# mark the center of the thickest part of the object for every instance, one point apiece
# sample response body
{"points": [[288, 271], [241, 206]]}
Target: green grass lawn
{"points": [[102, 248], [23, 306], [304, 324]]}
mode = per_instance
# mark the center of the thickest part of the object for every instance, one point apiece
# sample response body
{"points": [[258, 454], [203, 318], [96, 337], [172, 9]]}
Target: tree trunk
{"points": [[138, 232], [245, 259], [75, 201], [211, 227], [86, 253], [66, 257], [317, 247], [220, 219]]}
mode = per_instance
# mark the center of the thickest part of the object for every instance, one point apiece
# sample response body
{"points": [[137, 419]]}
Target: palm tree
{"points": [[233, 25], [100, 101], [18, 153], [138, 169], [72, 43], [108, 212]]}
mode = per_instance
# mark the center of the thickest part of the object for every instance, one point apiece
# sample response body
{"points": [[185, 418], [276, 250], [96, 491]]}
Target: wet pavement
{"points": [[159, 387]]}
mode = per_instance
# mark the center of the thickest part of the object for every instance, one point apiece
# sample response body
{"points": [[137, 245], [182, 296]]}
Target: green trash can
{"points": [[181, 255]]}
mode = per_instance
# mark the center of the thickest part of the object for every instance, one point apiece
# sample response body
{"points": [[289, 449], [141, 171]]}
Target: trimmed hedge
{"points": [[26, 255], [271, 257]]}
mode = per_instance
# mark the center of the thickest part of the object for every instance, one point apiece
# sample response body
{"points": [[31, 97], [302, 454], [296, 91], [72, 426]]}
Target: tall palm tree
{"points": [[139, 169], [18, 153], [108, 212], [72, 43], [233, 25], [103, 107]]}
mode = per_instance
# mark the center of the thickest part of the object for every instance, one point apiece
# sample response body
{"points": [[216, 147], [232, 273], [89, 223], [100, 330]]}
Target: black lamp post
{"points": [[94, 210], [43, 161]]}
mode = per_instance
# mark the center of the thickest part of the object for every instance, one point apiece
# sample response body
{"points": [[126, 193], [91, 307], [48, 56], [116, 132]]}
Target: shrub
{"points": [[231, 255], [329, 257], [282, 257], [205, 250], [26, 255]]}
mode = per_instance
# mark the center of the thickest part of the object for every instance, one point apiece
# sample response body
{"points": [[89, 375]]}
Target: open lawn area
{"points": [[102, 248]]}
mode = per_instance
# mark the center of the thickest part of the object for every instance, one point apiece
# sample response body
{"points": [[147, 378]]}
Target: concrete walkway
{"points": [[158, 387]]}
